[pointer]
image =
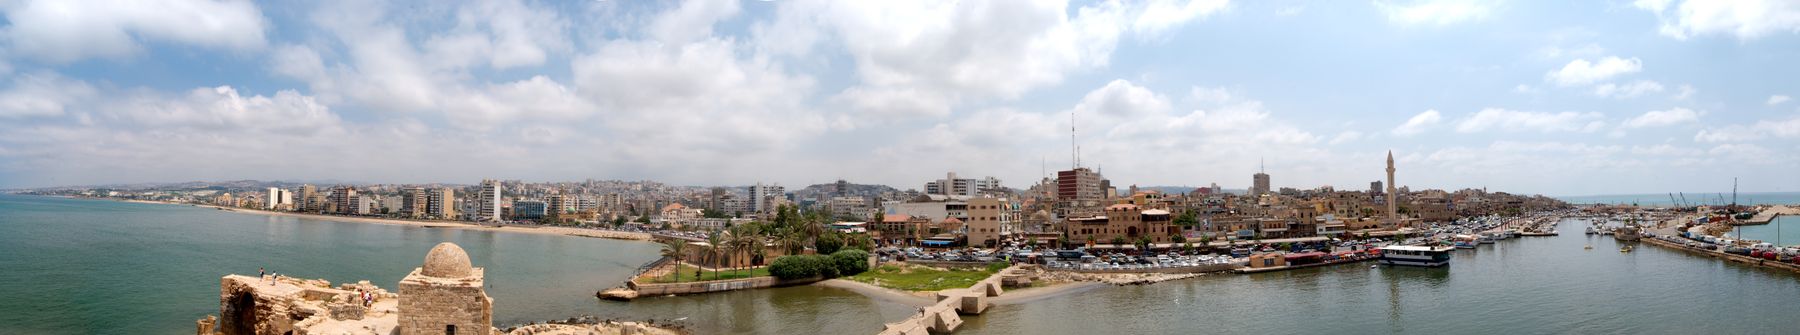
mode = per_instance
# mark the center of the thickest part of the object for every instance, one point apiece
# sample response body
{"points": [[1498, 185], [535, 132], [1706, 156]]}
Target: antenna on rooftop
{"points": [[1072, 141]]}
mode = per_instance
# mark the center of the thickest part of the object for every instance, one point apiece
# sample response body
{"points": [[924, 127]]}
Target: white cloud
{"points": [[1121, 98], [63, 31], [1745, 19], [1438, 12], [1663, 118], [42, 95], [1158, 16], [1782, 129], [691, 20], [1777, 99], [1628, 90], [962, 51], [1511, 120], [1418, 123], [1583, 72], [1345, 137]]}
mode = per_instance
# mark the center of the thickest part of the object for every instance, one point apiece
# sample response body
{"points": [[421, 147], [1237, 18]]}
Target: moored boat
{"points": [[1428, 256]]}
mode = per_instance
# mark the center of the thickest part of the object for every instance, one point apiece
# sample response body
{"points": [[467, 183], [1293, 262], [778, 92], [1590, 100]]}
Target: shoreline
{"points": [[922, 299], [542, 230]]}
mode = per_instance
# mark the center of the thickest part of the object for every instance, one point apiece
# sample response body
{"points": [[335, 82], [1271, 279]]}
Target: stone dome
{"points": [[447, 260]]}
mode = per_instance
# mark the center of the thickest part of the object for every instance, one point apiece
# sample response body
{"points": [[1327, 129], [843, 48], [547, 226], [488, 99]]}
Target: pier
{"points": [[945, 315], [1769, 215]]}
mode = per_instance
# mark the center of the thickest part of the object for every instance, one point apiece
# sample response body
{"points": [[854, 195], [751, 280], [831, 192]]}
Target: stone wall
{"points": [[714, 285], [248, 306], [430, 305]]}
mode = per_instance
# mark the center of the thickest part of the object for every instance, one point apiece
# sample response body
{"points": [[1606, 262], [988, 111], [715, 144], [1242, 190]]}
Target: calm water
{"points": [[102, 267], [1662, 199], [73, 266], [1785, 230]]}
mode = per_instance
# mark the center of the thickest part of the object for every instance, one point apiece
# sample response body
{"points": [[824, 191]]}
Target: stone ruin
{"points": [[444, 296]]}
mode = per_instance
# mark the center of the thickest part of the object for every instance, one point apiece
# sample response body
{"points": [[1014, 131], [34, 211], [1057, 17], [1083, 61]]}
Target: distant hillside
{"points": [[863, 190]]}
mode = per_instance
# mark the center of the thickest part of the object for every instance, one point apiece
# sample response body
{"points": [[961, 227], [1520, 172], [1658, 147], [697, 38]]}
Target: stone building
{"points": [[445, 296]]}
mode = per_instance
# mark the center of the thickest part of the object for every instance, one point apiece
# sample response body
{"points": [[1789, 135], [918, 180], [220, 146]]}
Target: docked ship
{"points": [[1431, 256]]}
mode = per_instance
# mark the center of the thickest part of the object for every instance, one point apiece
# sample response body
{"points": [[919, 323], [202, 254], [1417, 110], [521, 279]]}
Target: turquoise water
{"points": [[1662, 199], [1785, 230]]}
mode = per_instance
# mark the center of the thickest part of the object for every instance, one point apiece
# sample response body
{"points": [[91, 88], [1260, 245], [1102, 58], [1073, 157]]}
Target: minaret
{"points": [[1393, 214]]}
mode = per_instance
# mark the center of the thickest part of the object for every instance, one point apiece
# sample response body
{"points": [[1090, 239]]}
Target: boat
{"points": [[1486, 238], [1591, 230], [1625, 249], [1588, 247], [1464, 245], [1428, 256]]}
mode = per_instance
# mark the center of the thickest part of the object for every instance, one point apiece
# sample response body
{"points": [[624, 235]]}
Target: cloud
{"points": [[1511, 120], [1628, 90], [1744, 19], [1777, 99], [64, 31], [1663, 118], [1782, 129], [1418, 123], [966, 51], [1583, 72], [1123, 99], [1686, 91], [42, 95], [1436, 12], [1345, 137]]}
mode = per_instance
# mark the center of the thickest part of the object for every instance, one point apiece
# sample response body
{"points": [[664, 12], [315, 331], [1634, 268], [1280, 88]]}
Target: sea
{"points": [[1663, 199], [83, 266]]}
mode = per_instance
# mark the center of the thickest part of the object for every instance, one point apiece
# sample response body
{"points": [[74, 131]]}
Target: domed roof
{"points": [[447, 260]]}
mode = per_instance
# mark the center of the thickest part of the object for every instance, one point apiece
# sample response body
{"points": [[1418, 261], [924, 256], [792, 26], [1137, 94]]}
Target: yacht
{"points": [[1432, 256]]}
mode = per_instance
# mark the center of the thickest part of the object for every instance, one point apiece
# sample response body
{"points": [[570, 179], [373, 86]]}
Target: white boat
{"points": [[1415, 255], [1486, 238]]}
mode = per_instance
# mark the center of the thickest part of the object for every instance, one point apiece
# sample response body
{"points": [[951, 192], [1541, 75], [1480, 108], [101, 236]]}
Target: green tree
{"points": [[1187, 219], [1118, 241], [714, 249], [828, 243], [675, 249], [644, 219], [618, 221]]}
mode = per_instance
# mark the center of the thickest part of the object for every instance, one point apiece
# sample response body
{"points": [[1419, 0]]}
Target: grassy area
{"points": [[921, 278], [687, 275]]}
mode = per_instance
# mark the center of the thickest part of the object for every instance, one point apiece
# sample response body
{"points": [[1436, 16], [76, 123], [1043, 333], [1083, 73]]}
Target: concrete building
{"points": [[414, 203], [279, 199], [951, 185], [990, 221], [529, 209], [850, 207], [488, 202], [445, 296], [1079, 190], [309, 198], [1124, 221], [1259, 184], [343, 199], [764, 197], [441, 203]]}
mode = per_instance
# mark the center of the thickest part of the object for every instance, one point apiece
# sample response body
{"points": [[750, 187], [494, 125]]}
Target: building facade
{"points": [[488, 202]]}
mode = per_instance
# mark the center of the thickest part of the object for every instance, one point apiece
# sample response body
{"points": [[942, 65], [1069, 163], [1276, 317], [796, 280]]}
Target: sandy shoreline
{"points": [[566, 231]]}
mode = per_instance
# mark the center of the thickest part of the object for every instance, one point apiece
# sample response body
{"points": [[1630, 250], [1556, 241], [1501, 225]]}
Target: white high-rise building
{"points": [[762, 196], [279, 199], [489, 198]]}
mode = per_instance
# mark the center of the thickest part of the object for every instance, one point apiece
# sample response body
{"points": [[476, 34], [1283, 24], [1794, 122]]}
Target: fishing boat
{"points": [[1428, 256], [1625, 249], [1486, 238]]}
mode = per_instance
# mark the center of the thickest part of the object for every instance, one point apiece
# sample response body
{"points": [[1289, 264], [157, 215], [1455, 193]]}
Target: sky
{"points": [[1547, 97]]}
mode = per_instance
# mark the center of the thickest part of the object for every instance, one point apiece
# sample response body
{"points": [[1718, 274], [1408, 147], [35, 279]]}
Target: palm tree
{"points": [[675, 249], [712, 248], [746, 243]]}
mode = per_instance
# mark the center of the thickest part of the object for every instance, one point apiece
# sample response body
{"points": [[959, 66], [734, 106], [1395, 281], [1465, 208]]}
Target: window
{"points": [[449, 329]]}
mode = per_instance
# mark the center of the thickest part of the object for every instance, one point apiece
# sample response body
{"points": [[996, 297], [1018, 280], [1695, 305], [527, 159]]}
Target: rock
{"points": [[618, 294], [205, 326]]}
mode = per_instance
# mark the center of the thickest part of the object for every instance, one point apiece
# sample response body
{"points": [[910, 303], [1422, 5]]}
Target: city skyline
{"points": [[1522, 97]]}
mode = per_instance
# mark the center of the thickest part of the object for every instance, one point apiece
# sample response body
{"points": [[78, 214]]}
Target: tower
{"points": [[1392, 208], [445, 296]]}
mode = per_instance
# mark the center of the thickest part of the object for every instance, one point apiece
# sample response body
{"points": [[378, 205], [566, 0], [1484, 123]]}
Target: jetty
{"points": [[945, 315], [1769, 215]]}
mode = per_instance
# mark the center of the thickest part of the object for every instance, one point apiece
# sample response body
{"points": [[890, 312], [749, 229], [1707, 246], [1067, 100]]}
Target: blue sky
{"points": [[1552, 97]]}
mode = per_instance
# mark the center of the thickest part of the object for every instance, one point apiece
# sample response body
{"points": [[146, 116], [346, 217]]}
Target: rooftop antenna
{"points": [[1734, 194]]}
